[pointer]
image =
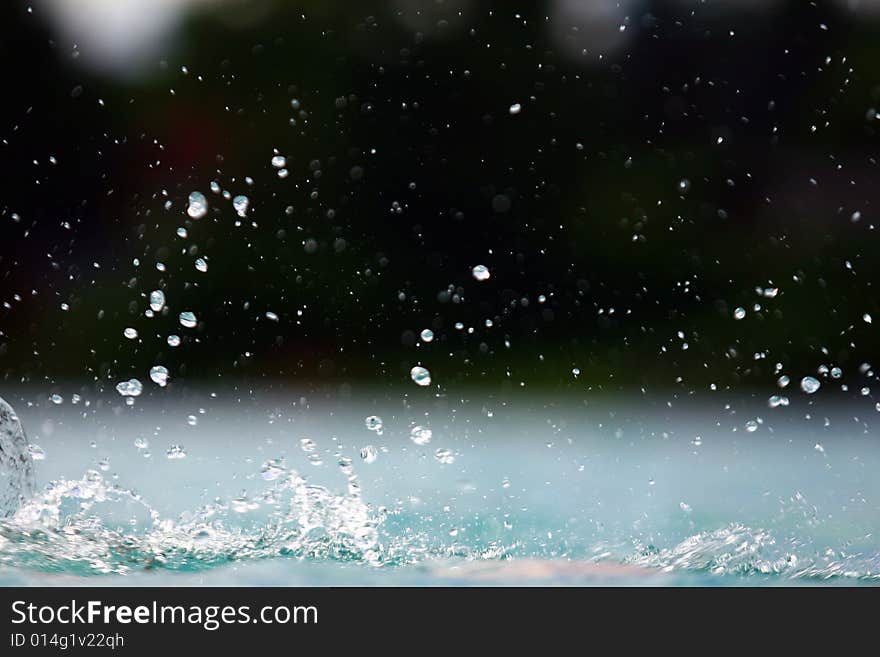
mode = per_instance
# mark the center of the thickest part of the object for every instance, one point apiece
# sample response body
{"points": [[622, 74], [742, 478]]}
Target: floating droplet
{"points": [[810, 384], [739, 313], [159, 375], [481, 273], [57, 399], [241, 204], [271, 316], [515, 109], [420, 435], [272, 469], [173, 340], [130, 388], [198, 205], [307, 444], [188, 319], [345, 466], [157, 300], [130, 333], [444, 456], [369, 454], [175, 452], [279, 161], [777, 400], [420, 375], [202, 265], [374, 423], [427, 335]]}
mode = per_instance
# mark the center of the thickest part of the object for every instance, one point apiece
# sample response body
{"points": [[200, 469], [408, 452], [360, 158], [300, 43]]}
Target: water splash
{"points": [[742, 551], [90, 527], [16, 466]]}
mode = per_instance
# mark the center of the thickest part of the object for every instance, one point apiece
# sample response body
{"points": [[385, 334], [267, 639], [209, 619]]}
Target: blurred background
{"points": [[666, 193]]}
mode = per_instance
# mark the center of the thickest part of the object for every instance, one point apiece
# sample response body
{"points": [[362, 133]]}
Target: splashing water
{"points": [[95, 526], [740, 550], [16, 467], [90, 526]]}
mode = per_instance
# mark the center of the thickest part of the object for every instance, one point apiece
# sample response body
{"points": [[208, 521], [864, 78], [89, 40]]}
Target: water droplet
{"points": [[36, 452], [241, 204], [175, 452], [373, 423], [783, 381], [481, 273], [198, 205], [202, 265], [420, 435], [867, 318], [810, 384], [739, 313], [181, 232], [279, 161], [271, 316], [444, 456], [130, 388], [272, 469], [420, 375], [427, 335], [157, 300], [515, 109], [307, 444], [369, 454], [57, 399], [751, 426], [345, 466], [188, 319], [141, 443], [684, 185], [130, 333], [159, 375], [173, 340], [776, 400]]}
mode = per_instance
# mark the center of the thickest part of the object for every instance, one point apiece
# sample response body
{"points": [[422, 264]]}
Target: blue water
{"points": [[542, 490]]}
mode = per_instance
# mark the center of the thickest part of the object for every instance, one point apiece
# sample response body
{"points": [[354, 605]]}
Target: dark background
{"points": [[407, 169]]}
